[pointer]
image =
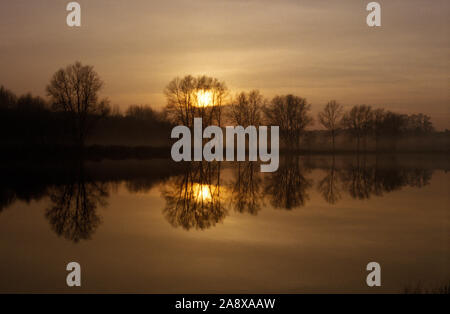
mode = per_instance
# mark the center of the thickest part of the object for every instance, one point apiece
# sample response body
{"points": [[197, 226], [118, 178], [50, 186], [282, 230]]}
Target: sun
{"points": [[204, 98]]}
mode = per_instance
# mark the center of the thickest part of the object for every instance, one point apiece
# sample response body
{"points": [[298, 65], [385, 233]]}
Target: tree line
{"points": [[290, 112], [74, 112]]}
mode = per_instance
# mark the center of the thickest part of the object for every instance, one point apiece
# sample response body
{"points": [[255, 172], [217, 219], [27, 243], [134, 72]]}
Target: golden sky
{"points": [[319, 50]]}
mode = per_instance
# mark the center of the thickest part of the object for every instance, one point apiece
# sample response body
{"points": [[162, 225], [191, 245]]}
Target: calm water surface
{"points": [[159, 227]]}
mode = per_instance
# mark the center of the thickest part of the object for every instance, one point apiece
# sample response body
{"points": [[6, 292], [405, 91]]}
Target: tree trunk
{"points": [[332, 136]]}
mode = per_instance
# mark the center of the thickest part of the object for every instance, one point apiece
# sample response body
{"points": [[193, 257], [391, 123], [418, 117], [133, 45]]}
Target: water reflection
{"points": [[246, 188], [329, 185], [194, 199], [73, 210], [365, 178], [17, 185], [7, 197], [287, 188], [199, 195]]}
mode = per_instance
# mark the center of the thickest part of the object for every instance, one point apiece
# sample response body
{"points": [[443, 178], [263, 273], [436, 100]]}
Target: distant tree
{"points": [[246, 108], [419, 124], [191, 97], [116, 112], [330, 118], [388, 125], [30, 103], [74, 91], [379, 118], [291, 114], [7, 98], [359, 122], [142, 113], [393, 127]]}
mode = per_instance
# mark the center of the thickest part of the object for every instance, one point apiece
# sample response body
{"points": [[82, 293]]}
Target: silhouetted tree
{"points": [[291, 114], [142, 113], [392, 128], [190, 97], [246, 108], [379, 116], [330, 118], [7, 98], [419, 124], [359, 122], [74, 91], [29, 103]]}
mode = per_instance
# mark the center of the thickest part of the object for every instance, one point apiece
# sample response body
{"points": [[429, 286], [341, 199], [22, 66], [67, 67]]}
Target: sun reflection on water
{"points": [[202, 192]]}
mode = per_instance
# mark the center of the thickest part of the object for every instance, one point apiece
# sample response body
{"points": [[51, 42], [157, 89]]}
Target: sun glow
{"points": [[204, 98], [202, 192]]}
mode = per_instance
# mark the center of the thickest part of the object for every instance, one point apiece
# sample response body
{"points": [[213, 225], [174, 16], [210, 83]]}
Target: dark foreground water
{"points": [[159, 227]]}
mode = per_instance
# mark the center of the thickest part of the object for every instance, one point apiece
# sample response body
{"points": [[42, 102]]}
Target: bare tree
{"points": [[291, 114], [392, 127], [7, 98], [180, 100], [379, 119], [359, 122], [190, 97], [387, 125], [142, 113], [74, 90], [419, 124], [245, 109], [330, 118], [30, 103]]}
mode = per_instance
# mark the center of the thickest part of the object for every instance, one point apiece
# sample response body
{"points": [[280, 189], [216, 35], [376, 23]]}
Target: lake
{"points": [[155, 226]]}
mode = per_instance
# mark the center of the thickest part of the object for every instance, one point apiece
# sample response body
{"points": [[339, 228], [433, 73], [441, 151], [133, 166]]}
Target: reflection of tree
{"points": [[287, 187], [20, 188], [193, 200], [246, 194], [358, 179], [363, 180], [7, 197], [387, 180], [142, 185], [329, 185], [72, 213], [418, 177], [394, 178]]}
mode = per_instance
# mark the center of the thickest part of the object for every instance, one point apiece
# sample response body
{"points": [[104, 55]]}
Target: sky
{"points": [[320, 50]]}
